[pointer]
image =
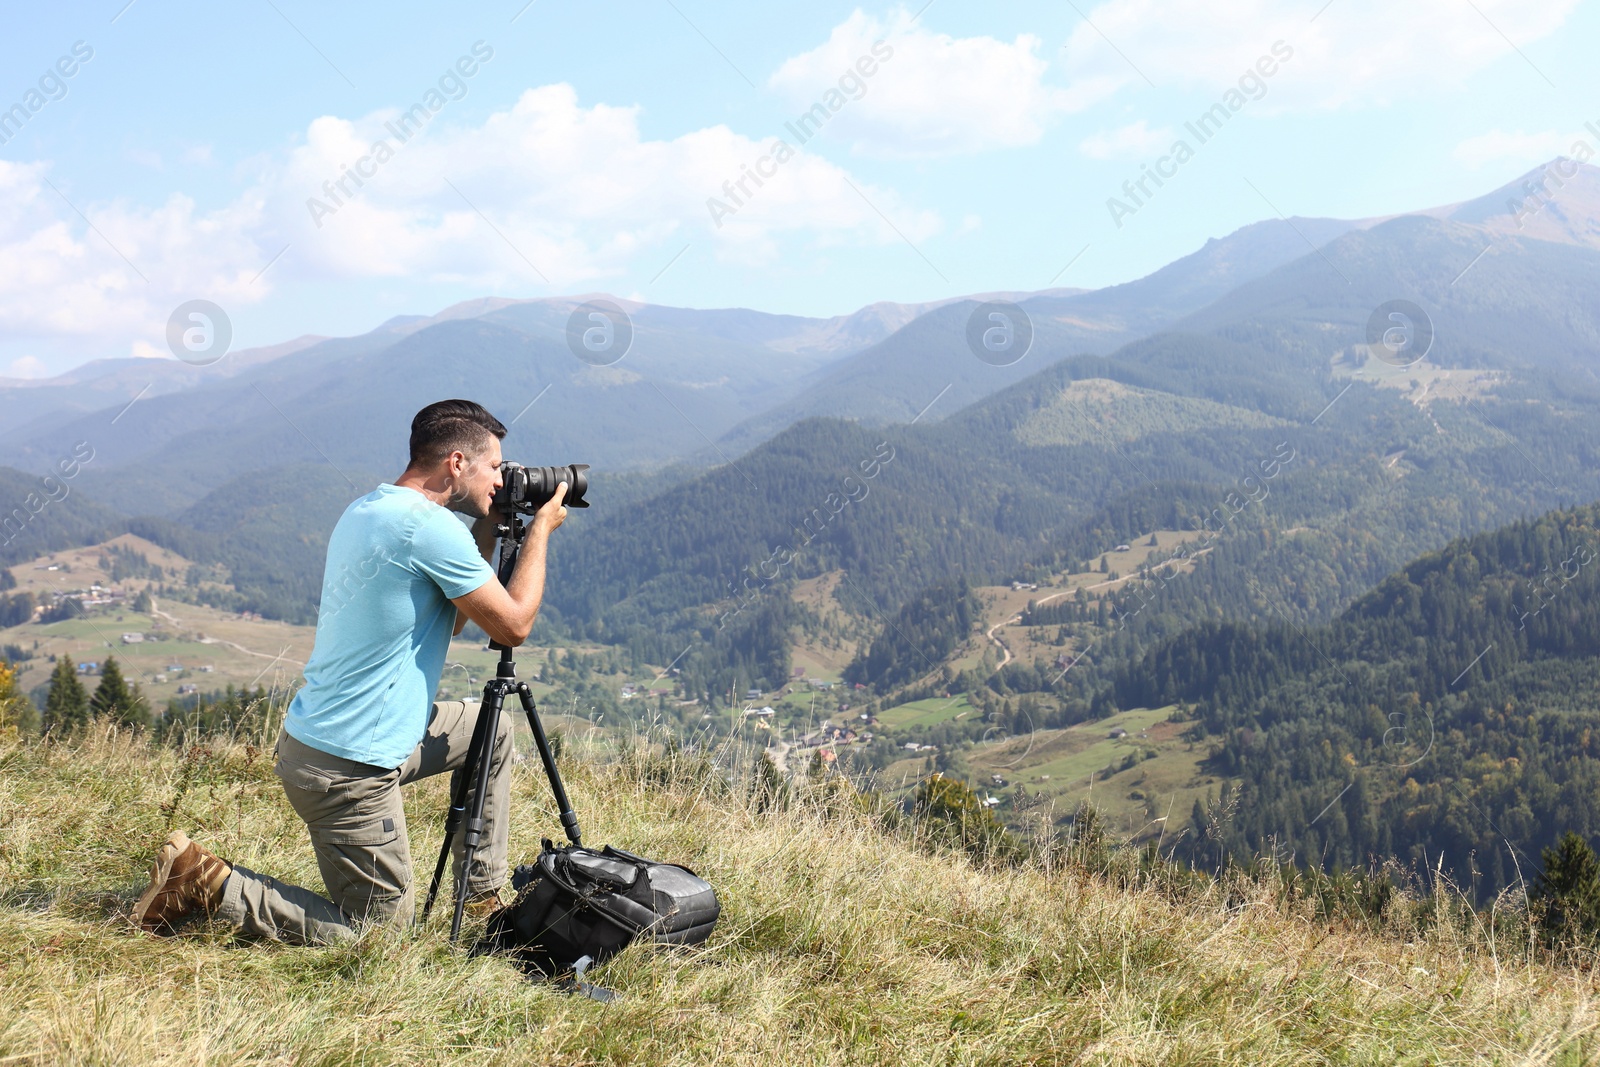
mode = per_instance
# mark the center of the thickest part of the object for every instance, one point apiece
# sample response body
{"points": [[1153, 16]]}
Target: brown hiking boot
{"points": [[483, 905], [185, 882]]}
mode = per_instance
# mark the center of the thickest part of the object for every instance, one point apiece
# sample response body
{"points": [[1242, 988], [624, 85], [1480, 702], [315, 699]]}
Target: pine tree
{"points": [[952, 814], [67, 706], [1568, 890], [116, 699]]}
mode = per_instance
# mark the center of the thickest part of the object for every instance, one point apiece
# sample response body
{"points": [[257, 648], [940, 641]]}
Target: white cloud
{"points": [[576, 192], [1497, 146], [929, 94], [26, 367], [59, 278], [1357, 52], [1126, 142]]}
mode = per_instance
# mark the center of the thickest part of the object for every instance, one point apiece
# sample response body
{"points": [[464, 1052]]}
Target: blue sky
{"points": [[975, 151]]}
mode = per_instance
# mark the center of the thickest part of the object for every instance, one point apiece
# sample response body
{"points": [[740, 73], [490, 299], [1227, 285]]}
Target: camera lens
{"points": [[529, 488]]}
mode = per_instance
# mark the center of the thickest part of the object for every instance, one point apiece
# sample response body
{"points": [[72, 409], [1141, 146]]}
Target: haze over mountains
{"points": [[699, 386]]}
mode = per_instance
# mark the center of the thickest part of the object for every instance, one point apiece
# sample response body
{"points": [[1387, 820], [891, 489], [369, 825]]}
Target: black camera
{"points": [[527, 489]]}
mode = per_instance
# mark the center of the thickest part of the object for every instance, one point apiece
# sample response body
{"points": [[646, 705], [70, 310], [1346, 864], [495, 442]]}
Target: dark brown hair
{"points": [[451, 426]]}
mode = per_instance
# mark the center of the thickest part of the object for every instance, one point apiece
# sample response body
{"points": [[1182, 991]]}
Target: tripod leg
{"points": [[476, 752], [477, 770], [569, 818]]}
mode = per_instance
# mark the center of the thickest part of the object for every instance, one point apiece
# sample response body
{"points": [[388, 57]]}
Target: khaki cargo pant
{"points": [[358, 830]]}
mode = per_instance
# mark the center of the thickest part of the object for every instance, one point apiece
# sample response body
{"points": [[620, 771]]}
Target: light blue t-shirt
{"points": [[395, 561]]}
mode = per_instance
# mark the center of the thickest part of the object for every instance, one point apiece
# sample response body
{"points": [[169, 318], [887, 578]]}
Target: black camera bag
{"points": [[573, 902]]}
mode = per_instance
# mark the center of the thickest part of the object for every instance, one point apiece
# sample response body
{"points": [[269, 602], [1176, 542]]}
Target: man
{"points": [[403, 575]]}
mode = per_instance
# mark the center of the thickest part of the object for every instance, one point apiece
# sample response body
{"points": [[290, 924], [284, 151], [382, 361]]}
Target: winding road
{"points": [[989, 633]]}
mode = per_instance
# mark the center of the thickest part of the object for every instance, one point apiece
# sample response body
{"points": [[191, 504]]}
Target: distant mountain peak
{"points": [[1558, 202]]}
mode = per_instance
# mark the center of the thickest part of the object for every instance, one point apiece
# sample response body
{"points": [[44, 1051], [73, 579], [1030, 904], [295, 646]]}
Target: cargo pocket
{"points": [[303, 778], [307, 791], [366, 864]]}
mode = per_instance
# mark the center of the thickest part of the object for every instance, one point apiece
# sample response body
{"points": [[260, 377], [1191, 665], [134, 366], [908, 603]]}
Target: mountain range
{"points": [[700, 389], [697, 386]]}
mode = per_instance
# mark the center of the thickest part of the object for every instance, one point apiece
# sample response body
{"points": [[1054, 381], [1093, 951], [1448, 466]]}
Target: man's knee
{"points": [[366, 866]]}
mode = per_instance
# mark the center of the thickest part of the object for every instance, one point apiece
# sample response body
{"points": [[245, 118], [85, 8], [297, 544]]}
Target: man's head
{"points": [[458, 442]]}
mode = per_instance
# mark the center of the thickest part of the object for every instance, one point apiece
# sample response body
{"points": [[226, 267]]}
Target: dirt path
{"points": [[1098, 585], [989, 633], [780, 756]]}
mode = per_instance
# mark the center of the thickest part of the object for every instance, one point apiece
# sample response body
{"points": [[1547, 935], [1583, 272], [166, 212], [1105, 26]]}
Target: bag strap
{"points": [[611, 850], [576, 984], [589, 900]]}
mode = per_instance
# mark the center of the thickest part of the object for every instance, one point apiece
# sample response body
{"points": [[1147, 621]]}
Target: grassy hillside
{"points": [[1095, 409], [839, 944]]}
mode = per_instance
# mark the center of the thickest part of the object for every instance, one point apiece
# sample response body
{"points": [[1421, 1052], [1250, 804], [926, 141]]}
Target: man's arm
{"points": [[506, 613]]}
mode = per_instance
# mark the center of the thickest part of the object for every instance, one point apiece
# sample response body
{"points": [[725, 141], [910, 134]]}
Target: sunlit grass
{"points": [[839, 943]]}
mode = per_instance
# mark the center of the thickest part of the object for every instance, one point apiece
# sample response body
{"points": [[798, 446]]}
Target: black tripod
{"points": [[474, 773]]}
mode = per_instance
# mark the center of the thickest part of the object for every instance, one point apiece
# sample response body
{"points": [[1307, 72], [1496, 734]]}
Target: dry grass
{"points": [[838, 944]]}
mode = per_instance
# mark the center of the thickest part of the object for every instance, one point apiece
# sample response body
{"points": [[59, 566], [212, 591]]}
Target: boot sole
{"points": [[160, 873]]}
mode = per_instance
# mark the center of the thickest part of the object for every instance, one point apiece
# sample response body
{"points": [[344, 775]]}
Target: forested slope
{"points": [[1451, 715]]}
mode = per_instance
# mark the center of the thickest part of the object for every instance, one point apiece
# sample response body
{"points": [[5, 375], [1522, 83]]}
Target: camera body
{"points": [[527, 489]]}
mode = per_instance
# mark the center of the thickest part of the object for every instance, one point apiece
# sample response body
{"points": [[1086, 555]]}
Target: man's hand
{"points": [[552, 514]]}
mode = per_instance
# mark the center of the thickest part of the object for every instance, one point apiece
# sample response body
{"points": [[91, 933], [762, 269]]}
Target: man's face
{"points": [[476, 479]]}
